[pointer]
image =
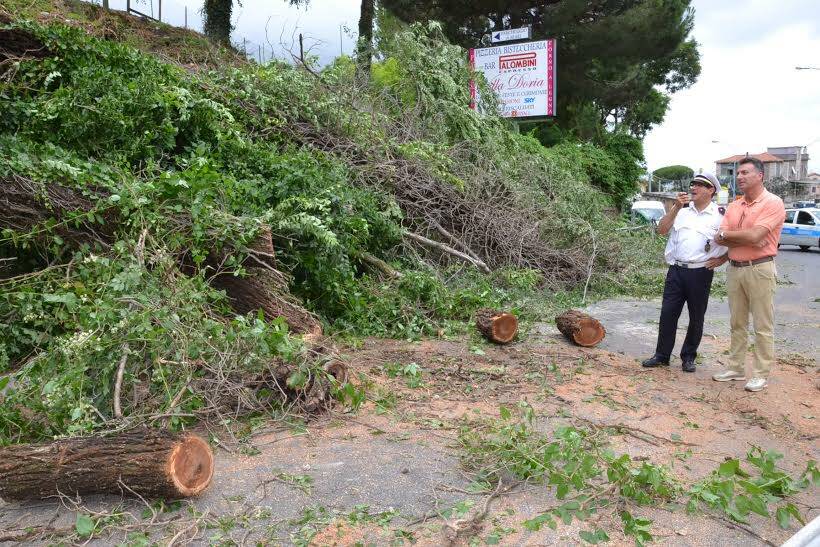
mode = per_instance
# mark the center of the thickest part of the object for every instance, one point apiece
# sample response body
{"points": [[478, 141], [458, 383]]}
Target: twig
{"points": [[380, 265], [186, 530], [591, 261], [454, 529], [118, 383], [447, 249]]}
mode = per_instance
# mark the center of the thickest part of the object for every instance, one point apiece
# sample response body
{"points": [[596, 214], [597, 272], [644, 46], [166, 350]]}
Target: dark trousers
{"points": [[690, 286]]}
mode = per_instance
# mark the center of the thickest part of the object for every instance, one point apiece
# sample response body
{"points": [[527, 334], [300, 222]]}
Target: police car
{"points": [[802, 228]]}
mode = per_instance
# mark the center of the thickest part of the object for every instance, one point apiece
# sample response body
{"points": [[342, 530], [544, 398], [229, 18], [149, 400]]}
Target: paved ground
{"points": [[797, 315], [396, 468]]}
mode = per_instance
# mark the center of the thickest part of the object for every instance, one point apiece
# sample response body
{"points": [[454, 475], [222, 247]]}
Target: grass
{"points": [[182, 46]]}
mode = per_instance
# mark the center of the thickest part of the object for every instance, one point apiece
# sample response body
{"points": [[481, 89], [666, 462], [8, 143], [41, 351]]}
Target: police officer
{"points": [[692, 254]]}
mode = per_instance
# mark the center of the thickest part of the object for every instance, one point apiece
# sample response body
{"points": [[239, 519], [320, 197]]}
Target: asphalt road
{"points": [[632, 324]]}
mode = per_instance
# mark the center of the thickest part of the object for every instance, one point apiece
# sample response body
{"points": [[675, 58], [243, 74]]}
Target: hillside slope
{"points": [[156, 219]]}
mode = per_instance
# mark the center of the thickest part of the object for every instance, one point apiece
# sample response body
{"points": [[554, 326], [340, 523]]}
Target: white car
{"points": [[647, 211], [802, 228]]}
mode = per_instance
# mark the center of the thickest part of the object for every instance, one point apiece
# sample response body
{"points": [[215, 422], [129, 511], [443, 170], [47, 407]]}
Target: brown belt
{"points": [[742, 263]]}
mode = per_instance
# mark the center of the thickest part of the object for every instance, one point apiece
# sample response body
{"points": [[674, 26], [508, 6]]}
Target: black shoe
{"points": [[655, 361], [688, 366]]}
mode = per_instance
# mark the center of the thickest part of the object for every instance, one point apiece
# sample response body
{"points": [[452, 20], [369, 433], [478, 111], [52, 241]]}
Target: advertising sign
{"points": [[521, 75]]}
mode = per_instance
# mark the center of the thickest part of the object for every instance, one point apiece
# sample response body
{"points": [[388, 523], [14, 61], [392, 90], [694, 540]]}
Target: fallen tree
{"points": [[148, 463], [88, 217]]}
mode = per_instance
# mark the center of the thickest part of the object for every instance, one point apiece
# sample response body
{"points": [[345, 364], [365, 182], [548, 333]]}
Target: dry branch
{"points": [[494, 224], [447, 249]]}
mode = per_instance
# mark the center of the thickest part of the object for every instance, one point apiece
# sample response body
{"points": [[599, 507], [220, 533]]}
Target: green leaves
{"points": [[785, 513], [739, 493], [84, 525], [594, 538], [637, 527]]}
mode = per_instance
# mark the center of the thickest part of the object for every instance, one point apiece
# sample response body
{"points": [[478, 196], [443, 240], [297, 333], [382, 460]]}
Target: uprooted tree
{"points": [[167, 233]]}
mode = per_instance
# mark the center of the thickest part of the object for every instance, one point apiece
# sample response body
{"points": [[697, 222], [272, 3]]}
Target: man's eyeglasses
{"points": [[698, 183]]}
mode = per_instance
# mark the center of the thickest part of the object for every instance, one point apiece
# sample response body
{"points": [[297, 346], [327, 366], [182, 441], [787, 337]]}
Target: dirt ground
{"points": [[393, 473]]}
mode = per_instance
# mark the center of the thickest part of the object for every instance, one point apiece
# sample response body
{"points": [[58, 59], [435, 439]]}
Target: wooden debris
{"points": [[580, 328], [150, 463], [497, 326]]}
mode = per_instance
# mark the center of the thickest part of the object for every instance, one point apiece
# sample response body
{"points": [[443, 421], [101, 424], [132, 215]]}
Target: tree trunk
{"points": [[25, 204], [497, 326], [154, 464], [580, 328], [218, 20], [364, 48]]}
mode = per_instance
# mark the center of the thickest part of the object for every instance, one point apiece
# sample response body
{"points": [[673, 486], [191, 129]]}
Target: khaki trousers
{"points": [[751, 290]]}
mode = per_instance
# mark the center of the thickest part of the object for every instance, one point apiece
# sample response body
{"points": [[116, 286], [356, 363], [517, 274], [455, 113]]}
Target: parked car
{"points": [[647, 211], [802, 228]]}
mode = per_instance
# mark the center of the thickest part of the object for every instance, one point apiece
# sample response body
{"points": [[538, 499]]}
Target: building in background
{"points": [[785, 172]]}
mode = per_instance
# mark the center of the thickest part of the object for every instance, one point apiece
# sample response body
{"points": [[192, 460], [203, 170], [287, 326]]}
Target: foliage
{"points": [[589, 479], [674, 172], [148, 144], [614, 168], [738, 493]]}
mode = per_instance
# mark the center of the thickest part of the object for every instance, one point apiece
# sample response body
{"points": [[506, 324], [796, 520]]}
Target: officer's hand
{"points": [[713, 263], [683, 199]]}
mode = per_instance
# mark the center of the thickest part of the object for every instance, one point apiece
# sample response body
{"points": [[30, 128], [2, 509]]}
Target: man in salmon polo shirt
{"points": [[751, 230]]}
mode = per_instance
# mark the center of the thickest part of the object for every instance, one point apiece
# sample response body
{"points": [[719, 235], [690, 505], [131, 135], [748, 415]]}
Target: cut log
{"points": [[580, 328], [153, 464], [497, 326]]}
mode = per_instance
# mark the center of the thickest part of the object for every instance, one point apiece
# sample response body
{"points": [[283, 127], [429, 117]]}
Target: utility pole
{"points": [[341, 50]]}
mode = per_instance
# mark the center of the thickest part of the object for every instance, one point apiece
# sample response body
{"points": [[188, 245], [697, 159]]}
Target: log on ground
{"points": [[153, 464], [497, 326], [580, 328]]}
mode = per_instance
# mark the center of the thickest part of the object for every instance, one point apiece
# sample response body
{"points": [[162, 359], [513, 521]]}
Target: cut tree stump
{"points": [[497, 326], [580, 328], [153, 464]]}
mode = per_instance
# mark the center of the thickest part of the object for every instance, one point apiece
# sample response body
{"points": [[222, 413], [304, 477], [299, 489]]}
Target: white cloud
{"points": [[749, 95]]}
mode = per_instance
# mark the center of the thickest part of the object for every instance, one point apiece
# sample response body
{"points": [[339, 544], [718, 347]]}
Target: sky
{"points": [[748, 96]]}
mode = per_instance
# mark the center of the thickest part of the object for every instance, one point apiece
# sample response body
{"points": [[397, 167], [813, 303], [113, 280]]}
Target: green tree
{"points": [[612, 55], [674, 172], [217, 25], [364, 48], [217, 13]]}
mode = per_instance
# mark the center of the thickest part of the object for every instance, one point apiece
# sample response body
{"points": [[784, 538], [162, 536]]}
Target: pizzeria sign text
{"points": [[521, 75]]}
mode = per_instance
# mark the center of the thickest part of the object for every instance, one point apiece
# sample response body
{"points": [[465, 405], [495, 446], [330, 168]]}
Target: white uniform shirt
{"points": [[691, 231]]}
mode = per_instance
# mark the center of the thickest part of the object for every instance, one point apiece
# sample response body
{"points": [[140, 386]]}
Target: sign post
{"points": [[522, 75]]}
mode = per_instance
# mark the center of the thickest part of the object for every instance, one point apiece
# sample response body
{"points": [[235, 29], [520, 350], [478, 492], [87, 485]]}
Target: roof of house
{"points": [[765, 157]]}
